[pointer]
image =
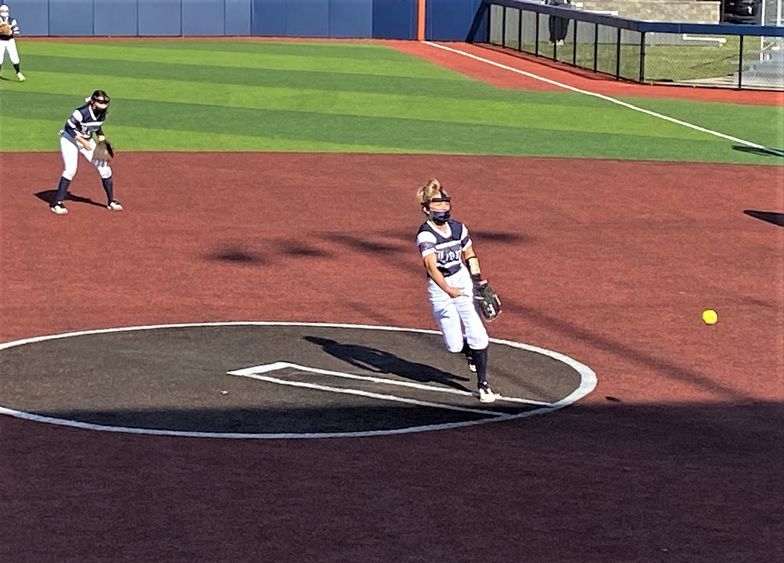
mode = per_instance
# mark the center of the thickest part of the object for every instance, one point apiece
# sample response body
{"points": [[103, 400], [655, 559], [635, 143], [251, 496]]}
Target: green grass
{"points": [[351, 97]]}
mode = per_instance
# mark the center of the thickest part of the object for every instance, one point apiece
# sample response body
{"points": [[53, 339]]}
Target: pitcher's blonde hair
{"points": [[430, 190]]}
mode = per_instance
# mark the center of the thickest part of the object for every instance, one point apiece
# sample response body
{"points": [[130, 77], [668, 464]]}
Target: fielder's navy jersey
{"points": [[14, 27], [448, 248], [84, 121]]}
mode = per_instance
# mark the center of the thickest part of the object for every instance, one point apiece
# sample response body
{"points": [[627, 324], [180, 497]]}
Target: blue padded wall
{"points": [[32, 16], [450, 20], [202, 17], [237, 17], [268, 17], [70, 17], [383, 19], [351, 18], [160, 17], [307, 18], [395, 19], [115, 17]]}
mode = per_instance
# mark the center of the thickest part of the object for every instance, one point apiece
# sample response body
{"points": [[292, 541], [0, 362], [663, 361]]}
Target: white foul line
{"points": [[608, 99]]}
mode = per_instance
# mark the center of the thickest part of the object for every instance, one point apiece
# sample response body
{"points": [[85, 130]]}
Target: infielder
{"points": [[76, 138], [446, 249], [9, 28]]}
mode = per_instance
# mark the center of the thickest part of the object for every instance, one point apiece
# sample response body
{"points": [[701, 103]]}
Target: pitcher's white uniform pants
{"points": [[70, 150], [10, 46], [451, 312]]}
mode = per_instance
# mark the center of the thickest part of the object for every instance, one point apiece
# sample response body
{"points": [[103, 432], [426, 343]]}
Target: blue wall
{"points": [[448, 20], [382, 19]]}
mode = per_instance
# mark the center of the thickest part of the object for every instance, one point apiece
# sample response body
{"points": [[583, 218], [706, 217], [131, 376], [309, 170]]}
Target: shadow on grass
{"points": [[761, 151]]}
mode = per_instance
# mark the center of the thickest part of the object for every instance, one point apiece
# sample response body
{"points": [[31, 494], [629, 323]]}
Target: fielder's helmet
{"points": [[100, 96]]}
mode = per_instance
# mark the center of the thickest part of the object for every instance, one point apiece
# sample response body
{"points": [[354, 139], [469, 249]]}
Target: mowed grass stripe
{"points": [[310, 49], [260, 78], [402, 65], [293, 130], [536, 115], [221, 142], [759, 124], [285, 108]]}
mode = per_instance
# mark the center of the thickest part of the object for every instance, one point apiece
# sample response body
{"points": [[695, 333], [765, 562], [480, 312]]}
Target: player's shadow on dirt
{"points": [[379, 361], [234, 253], [769, 216], [767, 151], [49, 195]]}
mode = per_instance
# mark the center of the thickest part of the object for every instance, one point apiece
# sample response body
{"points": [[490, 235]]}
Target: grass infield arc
{"points": [[588, 383]]}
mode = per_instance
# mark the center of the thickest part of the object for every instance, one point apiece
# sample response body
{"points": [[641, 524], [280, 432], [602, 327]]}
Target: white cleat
{"points": [[114, 206], [486, 395], [58, 208], [20, 76]]}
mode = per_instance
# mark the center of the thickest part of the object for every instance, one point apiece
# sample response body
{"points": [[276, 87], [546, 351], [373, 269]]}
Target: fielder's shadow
{"points": [[379, 361], [765, 151], [769, 216], [49, 195]]}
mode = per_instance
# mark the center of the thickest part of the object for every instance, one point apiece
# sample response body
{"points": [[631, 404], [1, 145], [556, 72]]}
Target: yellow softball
{"points": [[709, 317]]}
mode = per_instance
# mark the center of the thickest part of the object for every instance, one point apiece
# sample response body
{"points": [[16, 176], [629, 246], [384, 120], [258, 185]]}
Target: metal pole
{"points": [[618, 55], [595, 46], [740, 65], [574, 43], [536, 42], [520, 30], [488, 25], [503, 28], [762, 22], [642, 57]]}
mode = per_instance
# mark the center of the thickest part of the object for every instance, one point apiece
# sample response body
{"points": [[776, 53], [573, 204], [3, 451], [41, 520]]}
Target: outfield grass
{"points": [[352, 97]]}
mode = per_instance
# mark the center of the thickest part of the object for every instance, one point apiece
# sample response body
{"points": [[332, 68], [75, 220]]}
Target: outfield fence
{"points": [[720, 55]]}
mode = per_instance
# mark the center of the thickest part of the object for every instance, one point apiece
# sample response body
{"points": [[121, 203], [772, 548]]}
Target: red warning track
{"points": [[577, 78]]}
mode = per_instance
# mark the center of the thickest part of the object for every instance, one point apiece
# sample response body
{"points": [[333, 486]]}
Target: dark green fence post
{"points": [[489, 24], [740, 64], [618, 55], [642, 57], [520, 30], [595, 47], [503, 28], [536, 35], [574, 43]]}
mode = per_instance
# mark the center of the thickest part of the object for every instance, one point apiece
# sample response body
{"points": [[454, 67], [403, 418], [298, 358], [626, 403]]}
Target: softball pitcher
{"points": [[446, 248], [9, 28], [76, 138]]}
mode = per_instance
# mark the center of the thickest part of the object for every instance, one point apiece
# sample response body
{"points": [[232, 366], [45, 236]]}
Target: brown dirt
{"points": [[676, 455]]}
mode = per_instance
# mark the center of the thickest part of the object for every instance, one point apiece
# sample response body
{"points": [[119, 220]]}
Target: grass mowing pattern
{"points": [[348, 97]]}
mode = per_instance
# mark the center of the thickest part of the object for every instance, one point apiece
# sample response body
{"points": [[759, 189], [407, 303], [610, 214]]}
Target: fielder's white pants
{"points": [[10, 47], [458, 316], [71, 150]]}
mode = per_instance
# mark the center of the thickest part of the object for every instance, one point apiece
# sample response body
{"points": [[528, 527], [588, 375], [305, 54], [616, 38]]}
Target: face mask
{"points": [[439, 217]]}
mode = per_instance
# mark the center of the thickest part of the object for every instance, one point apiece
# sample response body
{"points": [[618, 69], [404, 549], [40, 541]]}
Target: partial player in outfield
{"points": [[9, 29], [76, 138], [452, 274]]}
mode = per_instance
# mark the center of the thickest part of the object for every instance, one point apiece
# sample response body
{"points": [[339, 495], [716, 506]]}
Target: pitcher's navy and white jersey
{"points": [[14, 27], [84, 121], [448, 248]]}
